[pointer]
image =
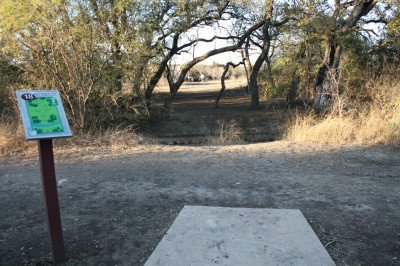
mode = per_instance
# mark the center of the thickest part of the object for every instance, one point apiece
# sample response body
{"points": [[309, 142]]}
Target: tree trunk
{"points": [[253, 85], [327, 77], [168, 101], [253, 88], [222, 84], [161, 68], [137, 93], [223, 76], [270, 76], [247, 65], [154, 80]]}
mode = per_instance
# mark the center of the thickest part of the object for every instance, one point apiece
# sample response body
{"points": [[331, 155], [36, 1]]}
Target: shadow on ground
{"points": [[194, 117]]}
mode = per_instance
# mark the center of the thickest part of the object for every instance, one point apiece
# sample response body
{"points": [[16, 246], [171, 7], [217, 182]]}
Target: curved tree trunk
{"points": [[254, 96], [223, 76], [158, 74], [153, 82], [263, 57], [168, 101]]}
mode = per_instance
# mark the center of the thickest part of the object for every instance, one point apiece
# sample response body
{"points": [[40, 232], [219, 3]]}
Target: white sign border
{"points": [[29, 132]]}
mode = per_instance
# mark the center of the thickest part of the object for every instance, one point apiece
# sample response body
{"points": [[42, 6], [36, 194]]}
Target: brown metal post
{"points": [[49, 184]]}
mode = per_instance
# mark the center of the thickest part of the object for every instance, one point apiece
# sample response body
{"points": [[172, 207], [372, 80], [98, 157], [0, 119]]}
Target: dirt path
{"points": [[116, 208], [117, 205]]}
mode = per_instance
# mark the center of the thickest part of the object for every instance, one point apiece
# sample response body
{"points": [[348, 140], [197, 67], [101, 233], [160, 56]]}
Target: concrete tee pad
{"points": [[239, 237]]}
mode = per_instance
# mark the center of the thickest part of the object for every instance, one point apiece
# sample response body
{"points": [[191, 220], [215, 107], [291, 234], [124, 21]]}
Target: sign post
{"points": [[49, 185], [44, 118]]}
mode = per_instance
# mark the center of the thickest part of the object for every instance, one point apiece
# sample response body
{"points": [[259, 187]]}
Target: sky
{"points": [[233, 57], [204, 47]]}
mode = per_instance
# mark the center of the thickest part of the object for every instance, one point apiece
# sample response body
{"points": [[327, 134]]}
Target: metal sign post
{"points": [[44, 118]]}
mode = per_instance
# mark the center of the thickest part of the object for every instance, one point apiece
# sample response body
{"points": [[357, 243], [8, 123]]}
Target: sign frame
{"points": [[51, 106]]}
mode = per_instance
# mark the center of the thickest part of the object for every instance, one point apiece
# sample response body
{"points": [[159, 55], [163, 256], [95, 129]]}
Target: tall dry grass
{"points": [[376, 121], [228, 132]]}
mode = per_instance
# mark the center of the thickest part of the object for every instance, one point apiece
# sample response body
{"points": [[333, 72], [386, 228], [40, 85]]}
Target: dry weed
{"points": [[331, 129], [227, 133], [113, 139], [393, 126], [376, 124], [376, 119], [13, 141]]}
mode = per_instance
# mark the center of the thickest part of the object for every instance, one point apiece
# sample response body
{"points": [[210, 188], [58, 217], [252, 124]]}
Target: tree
{"points": [[344, 19], [230, 48], [175, 19], [223, 76], [92, 50], [110, 11], [63, 45], [266, 44], [263, 41]]}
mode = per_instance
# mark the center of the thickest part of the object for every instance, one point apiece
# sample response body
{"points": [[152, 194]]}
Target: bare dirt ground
{"points": [[194, 116], [116, 205]]}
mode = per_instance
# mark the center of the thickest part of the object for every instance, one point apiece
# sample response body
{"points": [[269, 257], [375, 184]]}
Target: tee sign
{"points": [[43, 115]]}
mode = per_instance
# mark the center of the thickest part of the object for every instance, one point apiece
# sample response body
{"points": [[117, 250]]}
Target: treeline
{"points": [[106, 56]]}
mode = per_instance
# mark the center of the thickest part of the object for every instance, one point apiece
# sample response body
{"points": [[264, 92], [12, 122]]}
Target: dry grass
{"points": [[227, 133], [13, 142], [309, 128], [112, 139], [368, 129], [377, 122]]}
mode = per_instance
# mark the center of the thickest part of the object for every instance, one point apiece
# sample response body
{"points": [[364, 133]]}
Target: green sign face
{"points": [[43, 115]]}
